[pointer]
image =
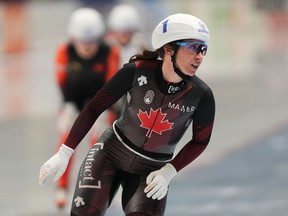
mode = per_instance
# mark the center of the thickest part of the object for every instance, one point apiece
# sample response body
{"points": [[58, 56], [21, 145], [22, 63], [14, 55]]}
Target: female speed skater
{"points": [[164, 96]]}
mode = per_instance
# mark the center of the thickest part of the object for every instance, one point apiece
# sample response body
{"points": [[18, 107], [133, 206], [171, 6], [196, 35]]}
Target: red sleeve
{"points": [[203, 121], [112, 62], [61, 61]]}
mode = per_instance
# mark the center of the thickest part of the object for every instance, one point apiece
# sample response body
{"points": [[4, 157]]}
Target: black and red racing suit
{"points": [[156, 116]]}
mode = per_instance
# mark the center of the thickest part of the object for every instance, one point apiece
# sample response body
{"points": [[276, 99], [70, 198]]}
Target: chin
{"points": [[190, 73]]}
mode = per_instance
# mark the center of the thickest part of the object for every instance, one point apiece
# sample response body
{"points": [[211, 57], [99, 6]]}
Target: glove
{"points": [[56, 164], [158, 181]]}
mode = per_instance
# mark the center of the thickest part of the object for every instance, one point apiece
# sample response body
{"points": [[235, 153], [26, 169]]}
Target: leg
{"points": [[63, 182], [134, 200], [97, 184], [66, 118]]}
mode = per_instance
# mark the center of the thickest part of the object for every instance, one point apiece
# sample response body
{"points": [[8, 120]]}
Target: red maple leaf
{"points": [[154, 122]]}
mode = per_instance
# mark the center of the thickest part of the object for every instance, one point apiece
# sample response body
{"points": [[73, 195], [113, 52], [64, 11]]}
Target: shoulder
{"points": [[203, 87], [103, 49], [129, 66], [62, 53], [62, 48], [196, 81], [148, 64]]}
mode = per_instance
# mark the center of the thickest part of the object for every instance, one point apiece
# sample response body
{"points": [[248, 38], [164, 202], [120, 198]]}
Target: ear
{"points": [[168, 49]]}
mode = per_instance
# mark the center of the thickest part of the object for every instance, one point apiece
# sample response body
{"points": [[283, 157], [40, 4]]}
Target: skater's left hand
{"points": [[158, 181]]}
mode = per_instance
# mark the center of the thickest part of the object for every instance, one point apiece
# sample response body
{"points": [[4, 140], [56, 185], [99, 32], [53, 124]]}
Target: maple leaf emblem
{"points": [[154, 122]]}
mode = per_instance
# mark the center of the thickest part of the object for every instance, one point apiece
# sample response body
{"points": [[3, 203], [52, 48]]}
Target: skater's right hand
{"points": [[56, 164]]}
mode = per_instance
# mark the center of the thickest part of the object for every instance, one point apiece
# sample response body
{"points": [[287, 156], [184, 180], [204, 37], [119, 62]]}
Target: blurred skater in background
{"points": [[83, 65], [124, 31]]}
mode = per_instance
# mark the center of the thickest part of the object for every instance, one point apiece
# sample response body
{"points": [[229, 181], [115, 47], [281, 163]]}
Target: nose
{"points": [[199, 56]]}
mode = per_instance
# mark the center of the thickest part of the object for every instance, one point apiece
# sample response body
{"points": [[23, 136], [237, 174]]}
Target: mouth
{"points": [[195, 66]]}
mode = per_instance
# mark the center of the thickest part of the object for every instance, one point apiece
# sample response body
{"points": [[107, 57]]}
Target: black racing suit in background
{"points": [[79, 79], [155, 118]]}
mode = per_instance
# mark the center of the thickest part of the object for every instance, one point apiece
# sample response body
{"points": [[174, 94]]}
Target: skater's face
{"points": [[190, 55], [124, 37], [86, 50]]}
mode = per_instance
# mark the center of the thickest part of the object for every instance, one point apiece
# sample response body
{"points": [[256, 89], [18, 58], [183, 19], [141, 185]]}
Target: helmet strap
{"points": [[176, 69]]}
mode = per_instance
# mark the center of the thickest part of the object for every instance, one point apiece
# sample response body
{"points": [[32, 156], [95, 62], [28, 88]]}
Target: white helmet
{"points": [[178, 27], [86, 24], [123, 18]]}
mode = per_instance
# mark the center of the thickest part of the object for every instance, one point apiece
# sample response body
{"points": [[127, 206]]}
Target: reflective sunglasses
{"points": [[194, 47]]}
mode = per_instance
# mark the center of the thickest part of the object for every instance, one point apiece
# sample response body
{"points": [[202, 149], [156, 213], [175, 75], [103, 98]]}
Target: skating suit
{"points": [[143, 140], [79, 79]]}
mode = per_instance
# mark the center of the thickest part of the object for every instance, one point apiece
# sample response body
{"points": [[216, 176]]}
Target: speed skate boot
{"points": [[60, 197]]}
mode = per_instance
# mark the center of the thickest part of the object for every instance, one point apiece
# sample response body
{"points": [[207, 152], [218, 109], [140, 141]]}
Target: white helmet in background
{"points": [[86, 24], [123, 18], [179, 27]]}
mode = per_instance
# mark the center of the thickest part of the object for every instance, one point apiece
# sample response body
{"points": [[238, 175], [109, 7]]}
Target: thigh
{"points": [[96, 184], [134, 199]]}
